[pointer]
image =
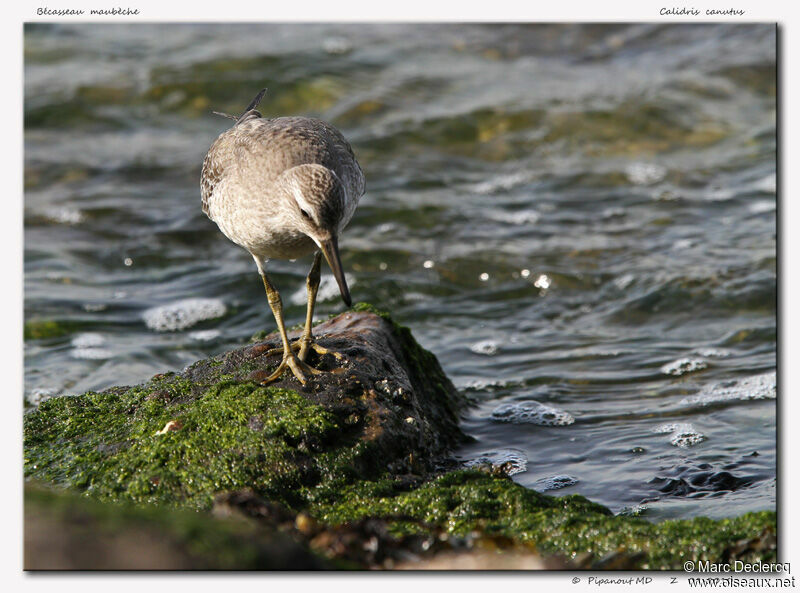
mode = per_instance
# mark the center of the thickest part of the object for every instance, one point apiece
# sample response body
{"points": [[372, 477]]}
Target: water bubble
{"points": [[713, 352], [683, 434], [64, 215], [383, 265], [756, 387], [487, 347], [554, 482], [683, 365], [88, 340], [513, 461], [87, 346], [40, 394], [128, 262], [91, 353], [478, 384], [183, 314], [531, 412], [94, 307], [525, 273], [428, 264], [645, 173], [205, 335], [484, 277]]}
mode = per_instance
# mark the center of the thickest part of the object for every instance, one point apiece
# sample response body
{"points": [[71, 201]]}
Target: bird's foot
{"points": [[302, 346], [306, 343], [298, 367]]}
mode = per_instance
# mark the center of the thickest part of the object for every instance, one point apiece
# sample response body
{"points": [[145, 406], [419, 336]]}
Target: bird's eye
{"points": [[305, 214]]}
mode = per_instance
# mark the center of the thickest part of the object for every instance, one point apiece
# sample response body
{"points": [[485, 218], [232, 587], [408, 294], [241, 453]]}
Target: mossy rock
{"points": [[352, 465], [585, 535], [180, 439]]}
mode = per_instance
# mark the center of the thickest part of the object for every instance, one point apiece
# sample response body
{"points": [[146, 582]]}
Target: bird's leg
{"points": [[290, 359], [306, 341]]}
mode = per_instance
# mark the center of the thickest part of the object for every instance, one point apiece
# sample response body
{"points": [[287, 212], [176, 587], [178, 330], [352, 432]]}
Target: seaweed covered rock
{"points": [[350, 468], [183, 438]]}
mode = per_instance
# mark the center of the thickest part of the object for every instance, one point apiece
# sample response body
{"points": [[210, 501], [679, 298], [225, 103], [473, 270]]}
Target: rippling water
{"points": [[578, 220]]}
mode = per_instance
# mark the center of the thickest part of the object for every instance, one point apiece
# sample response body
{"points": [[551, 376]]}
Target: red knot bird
{"points": [[283, 188]]}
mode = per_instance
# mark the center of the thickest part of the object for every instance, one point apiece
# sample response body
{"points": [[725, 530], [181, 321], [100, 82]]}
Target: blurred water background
{"points": [[579, 221]]}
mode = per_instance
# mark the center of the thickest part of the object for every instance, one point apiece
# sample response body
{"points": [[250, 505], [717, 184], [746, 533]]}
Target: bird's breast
{"points": [[266, 236]]}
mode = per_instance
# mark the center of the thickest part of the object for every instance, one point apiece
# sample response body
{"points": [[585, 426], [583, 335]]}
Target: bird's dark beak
{"points": [[330, 249]]}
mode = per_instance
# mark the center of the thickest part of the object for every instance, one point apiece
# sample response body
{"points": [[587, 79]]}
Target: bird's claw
{"points": [[298, 368], [306, 344], [302, 346]]}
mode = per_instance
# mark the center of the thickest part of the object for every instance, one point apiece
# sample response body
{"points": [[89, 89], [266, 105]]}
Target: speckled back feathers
{"points": [[255, 152]]}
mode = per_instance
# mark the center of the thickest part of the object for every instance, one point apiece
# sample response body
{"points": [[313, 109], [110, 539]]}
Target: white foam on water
{"points": [[683, 366], [88, 340], [94, 307], [481, 384], [64, 215], [485, 347], [624, 281], [768, 184], [516, 460], [88, 346], [40, 394], [183, 314], [762, 206], [645, 173], [531, 412], [713, 352], [720, 194], [91, 353], [520, 217], [683, 434], [756, 387], [554, 482], [502, 182], [204, 335]]}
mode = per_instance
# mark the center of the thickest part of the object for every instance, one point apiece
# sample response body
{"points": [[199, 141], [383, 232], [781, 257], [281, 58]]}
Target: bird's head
{"points": [[317, 210]]}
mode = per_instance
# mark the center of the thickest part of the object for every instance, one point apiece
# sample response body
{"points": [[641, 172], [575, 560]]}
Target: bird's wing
{"points": [[262, 149], [292, 141], [345, 163], [210, 177]]}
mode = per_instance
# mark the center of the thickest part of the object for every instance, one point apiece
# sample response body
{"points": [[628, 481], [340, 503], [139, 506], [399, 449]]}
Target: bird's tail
{"points": [[249, 112]]}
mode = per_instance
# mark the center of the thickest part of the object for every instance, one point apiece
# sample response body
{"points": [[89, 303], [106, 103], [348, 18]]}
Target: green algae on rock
{"points": [[586, 533], [182, 438], [350, 458]]}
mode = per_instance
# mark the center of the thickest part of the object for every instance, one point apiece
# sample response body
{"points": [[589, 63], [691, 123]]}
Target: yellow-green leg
{"points": [[290, 360], [306, 341]]}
